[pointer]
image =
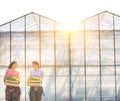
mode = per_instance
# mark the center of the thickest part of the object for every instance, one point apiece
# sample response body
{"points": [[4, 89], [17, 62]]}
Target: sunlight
{"points": [[69, 26]]}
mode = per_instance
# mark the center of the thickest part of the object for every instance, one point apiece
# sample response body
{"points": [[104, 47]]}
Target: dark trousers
{"points": [[35, 93], [12, 93]]}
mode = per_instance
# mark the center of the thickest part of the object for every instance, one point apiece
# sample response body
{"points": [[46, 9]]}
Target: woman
{"points": [[12, 93], [36, 91]]}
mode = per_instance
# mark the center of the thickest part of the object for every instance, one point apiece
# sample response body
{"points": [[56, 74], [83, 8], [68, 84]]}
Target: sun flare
{"points": [[69, 26]]}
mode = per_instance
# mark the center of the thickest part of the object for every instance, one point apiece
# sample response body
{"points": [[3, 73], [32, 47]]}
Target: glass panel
{"points": [[117, 22], [79, 71], [32, 22], [17, 48], [106, 32], [107, 48], [108, 82], [77, 48], [117, 41], [49, 71], [107, 70], [92, 48], [5, 44], [49, 83], [62, 50], [118, 82], [62, 84], [117, 38], [92, 71], [60, 71], [108, 88], [47, 42], [17, 41], [2, 89], [91, 24], [93, 83], [93, 88], [78, 84], [78, 88], [62, 88], [92, 41], [49, 87], [106, 21]]}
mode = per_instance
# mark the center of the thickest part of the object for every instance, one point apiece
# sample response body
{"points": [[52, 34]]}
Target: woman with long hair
{"points": [[12, 92], [36, 91]]}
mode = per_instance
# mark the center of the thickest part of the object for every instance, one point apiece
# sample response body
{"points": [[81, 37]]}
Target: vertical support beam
{"points": [[69, 46], [85, 60], [55, 56], [25, 51], [114, 57], [0, 52], [100, 57], [10, 41], [39, 40]]}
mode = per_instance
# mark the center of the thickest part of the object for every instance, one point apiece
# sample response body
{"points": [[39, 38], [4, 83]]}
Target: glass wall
{"points": [[80, 64]]}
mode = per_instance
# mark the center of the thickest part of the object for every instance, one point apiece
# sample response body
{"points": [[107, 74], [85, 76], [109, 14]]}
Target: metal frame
{"points": [[85, 60], [25, 52], [69, 52], [114, 44], [69, 49], [55, 58], [100, 57], [10, 41]]}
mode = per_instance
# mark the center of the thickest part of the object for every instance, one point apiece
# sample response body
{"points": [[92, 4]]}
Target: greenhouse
{"points": [[79, 65]]}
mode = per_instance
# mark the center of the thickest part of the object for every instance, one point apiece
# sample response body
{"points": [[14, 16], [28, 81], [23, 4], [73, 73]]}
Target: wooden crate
{"points": [[33, 83], [11, 84]]}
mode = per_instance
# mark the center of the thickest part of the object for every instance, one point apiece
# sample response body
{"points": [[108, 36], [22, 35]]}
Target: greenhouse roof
{"points": [[33, 21]]}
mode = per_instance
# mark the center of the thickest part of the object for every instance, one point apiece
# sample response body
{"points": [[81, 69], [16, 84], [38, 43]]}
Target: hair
{"points": [[11, 64], [35, 62]]}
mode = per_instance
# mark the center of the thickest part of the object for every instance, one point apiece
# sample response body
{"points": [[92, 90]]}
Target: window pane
{"points": [[47, 42], [107, 48], [17, 41], [77, 48], [2, 89], [93, 83], [60, 71], [118, 82], [108, 82], [108, 88], [62, 88], [49, 87], [117, 38], [78, 88], [5, 44], [92, 48], [77, 71]]}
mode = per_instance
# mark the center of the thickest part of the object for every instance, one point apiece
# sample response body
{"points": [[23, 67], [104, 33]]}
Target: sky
{"points": [[65, 11]]}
